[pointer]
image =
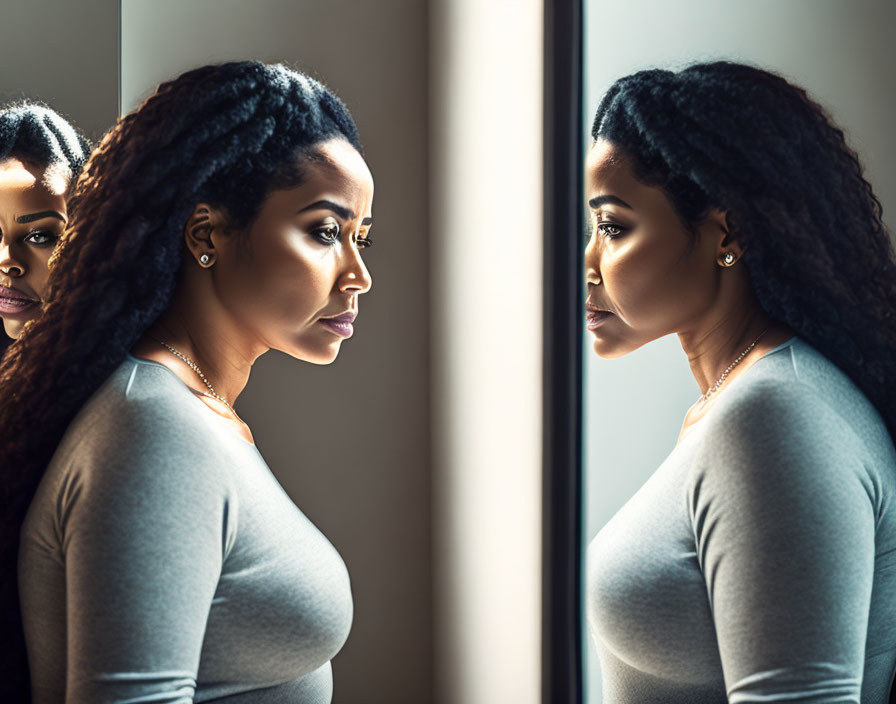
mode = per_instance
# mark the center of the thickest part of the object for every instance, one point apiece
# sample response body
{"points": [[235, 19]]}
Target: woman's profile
{"points": [[758, 562], [41, 155], [159, 559]]}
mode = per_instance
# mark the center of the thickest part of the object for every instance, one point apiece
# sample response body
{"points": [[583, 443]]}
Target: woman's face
{"points": [[32, 217], [293, 282], [646, 274]]}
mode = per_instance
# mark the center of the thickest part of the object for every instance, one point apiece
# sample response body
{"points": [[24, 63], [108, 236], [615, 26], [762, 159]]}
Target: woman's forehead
{"points": [[14, 167], [606, 168], [605, 155], [336, 172], [336, 161], [16, 173]]}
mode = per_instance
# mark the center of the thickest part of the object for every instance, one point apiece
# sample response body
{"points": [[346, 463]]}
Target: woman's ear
{"points": [[728, 250], [204, 223]]}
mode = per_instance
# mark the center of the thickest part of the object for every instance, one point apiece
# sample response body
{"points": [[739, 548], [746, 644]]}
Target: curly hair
{"points": [[746, 141], [225, 134], [36, 133]]}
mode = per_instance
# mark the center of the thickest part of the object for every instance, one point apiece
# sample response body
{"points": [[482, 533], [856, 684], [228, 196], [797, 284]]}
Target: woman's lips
{"points": [[13, 301], [340, 324], [595, 318]]}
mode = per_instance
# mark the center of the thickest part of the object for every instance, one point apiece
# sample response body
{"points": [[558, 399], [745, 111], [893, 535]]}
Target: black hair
{"points": [[36, 133], [225, 134], [746, 141]]}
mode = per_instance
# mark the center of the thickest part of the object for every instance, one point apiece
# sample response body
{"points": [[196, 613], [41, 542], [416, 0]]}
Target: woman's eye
{"points": [[42, 239], [328, 234], [364, 242], [609, 230]]}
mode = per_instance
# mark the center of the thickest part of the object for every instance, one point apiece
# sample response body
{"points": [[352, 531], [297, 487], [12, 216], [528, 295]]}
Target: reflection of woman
{"points": [[159, 559], [758, 563], [41, 156]]}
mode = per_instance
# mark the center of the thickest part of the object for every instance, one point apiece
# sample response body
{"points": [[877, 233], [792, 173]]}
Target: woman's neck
{"points": [[201, 329]]}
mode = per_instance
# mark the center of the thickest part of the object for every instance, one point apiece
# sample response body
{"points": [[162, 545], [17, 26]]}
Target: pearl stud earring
{"points": [[728, 258], [204, 259]]}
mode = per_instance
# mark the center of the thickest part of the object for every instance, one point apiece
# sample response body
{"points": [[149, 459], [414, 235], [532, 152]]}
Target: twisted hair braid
{"points": [[743, 140], [225, 134], [34, 132]]}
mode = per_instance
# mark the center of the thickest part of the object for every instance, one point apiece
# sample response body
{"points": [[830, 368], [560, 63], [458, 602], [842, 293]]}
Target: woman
{"points": [[41, 156], [757, 563], [159, 559]]}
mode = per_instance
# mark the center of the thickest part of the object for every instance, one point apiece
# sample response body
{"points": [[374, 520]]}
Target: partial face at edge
{"points": [[301, 261], [642, 267], [32, 217]]}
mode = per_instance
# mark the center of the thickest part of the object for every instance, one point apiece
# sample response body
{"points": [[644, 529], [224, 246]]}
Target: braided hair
{"points": [[225, 134], [743, 140], [33, 132]]}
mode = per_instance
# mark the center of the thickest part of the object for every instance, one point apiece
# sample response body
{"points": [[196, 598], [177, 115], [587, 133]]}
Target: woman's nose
{"points": [[592, 262], [9, 265], [355, 277]]}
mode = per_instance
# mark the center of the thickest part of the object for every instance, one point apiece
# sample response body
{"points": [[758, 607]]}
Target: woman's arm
{"points": [[784, 517], [144, 536]]}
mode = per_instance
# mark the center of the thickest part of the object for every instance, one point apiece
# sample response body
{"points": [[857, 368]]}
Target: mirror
{"points": [[39, 63], [843, 55]]}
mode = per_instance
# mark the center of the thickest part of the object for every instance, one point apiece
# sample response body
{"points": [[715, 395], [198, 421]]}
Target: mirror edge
{"points": [[562, 681]]}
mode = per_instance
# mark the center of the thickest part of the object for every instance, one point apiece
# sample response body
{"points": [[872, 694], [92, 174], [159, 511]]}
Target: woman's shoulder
{"points": [[144, 418], [141, 445], [794, 432], [796, 384], [796, 409], [145, 397]]}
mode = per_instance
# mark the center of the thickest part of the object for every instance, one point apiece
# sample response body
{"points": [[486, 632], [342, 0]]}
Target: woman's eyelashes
{"points": [[610, 230], [329, 234], [42, 238]]}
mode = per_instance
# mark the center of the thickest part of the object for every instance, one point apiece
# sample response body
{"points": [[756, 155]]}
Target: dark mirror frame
{"points": [[563, 306]]}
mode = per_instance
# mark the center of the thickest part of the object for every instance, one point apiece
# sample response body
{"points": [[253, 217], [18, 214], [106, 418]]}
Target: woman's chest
{"points": [[646, 594], [283, 604]]}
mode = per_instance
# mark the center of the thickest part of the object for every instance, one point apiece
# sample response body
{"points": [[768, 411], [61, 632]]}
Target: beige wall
{"points": [[486, 267], [350, 441], [64, 54]]}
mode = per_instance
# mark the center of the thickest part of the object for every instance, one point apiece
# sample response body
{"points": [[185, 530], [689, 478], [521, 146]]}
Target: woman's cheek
{"points": [[631, 275], [42, 273]]}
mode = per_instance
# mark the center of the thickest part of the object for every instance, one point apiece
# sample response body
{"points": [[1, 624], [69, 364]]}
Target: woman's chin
{"points": [[322, 355], [12, 328], [612, 349]]}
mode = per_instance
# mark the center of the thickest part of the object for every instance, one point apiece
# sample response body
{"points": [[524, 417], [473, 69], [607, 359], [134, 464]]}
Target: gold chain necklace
{"points": [[195, 367], [715, 387]]}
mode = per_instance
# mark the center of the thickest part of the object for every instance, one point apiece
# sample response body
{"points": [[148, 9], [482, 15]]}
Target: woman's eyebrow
{"points": [[598, 201], [31, 217], [340, 210]]}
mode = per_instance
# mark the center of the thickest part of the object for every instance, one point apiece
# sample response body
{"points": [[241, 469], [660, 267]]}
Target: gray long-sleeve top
{"points": [[161, 561], [758, 563]]}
